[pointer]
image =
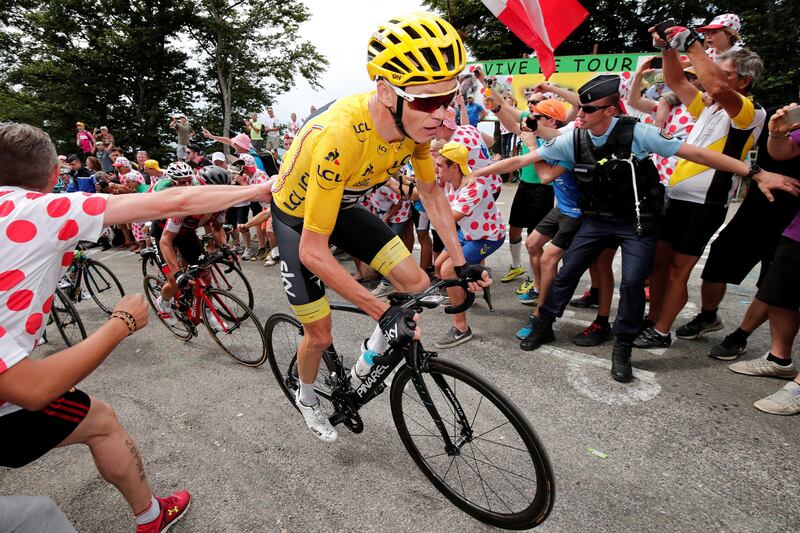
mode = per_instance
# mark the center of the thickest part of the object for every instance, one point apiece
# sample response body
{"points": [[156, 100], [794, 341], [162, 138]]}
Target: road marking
{"points": [[598, 385]]}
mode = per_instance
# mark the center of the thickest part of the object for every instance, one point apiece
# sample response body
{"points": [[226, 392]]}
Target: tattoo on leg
{"points": [[138, 458]]}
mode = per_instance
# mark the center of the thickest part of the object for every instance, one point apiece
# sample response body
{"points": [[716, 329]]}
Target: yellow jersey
{"points": [[336, 159]]}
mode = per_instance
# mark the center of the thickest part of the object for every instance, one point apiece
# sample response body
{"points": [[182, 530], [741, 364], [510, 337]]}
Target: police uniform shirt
{"points": [[646, 139]]}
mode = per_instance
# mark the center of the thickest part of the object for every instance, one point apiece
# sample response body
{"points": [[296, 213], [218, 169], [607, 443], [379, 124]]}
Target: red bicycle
{"points": [[234, 326]]}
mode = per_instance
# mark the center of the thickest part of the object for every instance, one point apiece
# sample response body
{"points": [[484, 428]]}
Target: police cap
{"points": [[599, 87]]}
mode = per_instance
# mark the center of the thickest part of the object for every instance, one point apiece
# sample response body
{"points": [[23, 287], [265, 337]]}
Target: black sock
{"points": [[708, 315], [778, 360], [594, 291], [601, 321], [739, 335]]}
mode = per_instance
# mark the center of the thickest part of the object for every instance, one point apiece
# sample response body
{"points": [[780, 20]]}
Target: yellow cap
{"points": [[152, 163], [458, 154]]}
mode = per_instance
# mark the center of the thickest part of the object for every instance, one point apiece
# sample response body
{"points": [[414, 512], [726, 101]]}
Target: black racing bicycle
{"points": [[100, 282], [470, 440], [66, 319]]}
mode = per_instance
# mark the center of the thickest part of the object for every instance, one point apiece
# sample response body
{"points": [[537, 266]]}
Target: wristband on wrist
{"points": [[127, 318]]}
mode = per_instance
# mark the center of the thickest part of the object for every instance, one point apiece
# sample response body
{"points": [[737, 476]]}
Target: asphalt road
{"points": [[684, 448]]}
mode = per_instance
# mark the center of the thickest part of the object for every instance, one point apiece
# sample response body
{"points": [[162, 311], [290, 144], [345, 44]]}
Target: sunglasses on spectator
{"points": [[588, 109], [426, 103]]}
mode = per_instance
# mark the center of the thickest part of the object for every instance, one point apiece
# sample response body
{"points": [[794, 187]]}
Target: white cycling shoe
{"points": [[316, 419]]}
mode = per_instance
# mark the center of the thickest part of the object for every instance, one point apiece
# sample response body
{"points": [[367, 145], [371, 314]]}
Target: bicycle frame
{"points": [[348, 401], [199, 295]]}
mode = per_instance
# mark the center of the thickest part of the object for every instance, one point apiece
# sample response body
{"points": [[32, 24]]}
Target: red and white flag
{"points": [[541, 24]]}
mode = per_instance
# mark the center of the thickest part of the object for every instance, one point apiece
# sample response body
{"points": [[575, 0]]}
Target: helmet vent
{"points": [[412, 32], [392, 37]]}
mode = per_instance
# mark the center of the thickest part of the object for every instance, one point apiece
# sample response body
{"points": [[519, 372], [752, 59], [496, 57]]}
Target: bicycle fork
{"points": [[466, 434]]}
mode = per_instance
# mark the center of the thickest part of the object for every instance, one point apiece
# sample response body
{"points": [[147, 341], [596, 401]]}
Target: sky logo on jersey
{"points": [[286, 276], [333, 156]]}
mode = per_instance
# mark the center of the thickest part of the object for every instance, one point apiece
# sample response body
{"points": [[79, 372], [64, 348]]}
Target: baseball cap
{"points": [[553, 109], [151, 163], [728, 20], [458, 154], [658, 77], [450, 118], [217, 156], [248, 160], [122, 162], [242, 140]]}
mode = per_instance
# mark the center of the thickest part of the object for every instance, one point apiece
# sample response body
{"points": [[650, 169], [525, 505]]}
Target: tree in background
{"points": [[253, 53], [130, 64], [771, 28], [106, 63]]}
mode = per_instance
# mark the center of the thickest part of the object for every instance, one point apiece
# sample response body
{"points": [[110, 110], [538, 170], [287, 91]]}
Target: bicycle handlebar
{"points": [[418, 300]]}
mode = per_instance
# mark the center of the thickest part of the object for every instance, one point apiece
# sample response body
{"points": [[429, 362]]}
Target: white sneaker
{"points": [[214, 322], [64, 283], [383, 289], [165, 312], [784, 402], [316, 419], [763, 367], [248, 253]]}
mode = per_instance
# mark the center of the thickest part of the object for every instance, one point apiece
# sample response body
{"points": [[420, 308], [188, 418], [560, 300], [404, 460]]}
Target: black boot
{"points": [[542, 334], [621, 363]]}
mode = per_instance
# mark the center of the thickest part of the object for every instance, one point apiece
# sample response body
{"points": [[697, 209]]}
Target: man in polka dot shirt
{"points": [[39, 407], [481, 229]]}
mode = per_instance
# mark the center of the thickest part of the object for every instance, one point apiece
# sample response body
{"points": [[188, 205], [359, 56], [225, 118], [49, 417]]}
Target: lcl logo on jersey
{"points": [[329, 178], [361, 127], [383, 149]]}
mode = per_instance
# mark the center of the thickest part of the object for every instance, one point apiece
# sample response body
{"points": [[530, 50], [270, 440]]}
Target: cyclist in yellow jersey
{"points": [[342, 153]]}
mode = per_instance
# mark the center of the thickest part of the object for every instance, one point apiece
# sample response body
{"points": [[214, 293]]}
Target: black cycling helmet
{"points": [[214, 175]]}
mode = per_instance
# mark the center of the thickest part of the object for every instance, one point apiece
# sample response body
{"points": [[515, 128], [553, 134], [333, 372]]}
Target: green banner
{"points": [[564, 64]]}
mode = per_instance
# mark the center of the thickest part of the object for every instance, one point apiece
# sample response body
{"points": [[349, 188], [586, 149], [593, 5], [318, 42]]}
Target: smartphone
{"points": [[531, 123], [489, 82], [657, 62], [792, 116], [661, 28]]}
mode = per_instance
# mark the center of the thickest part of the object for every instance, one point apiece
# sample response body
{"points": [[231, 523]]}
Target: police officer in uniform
{"points": [[621, 199]]}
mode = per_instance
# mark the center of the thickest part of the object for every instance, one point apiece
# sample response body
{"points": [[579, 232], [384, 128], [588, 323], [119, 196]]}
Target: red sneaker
{"points": [[172, 509]]}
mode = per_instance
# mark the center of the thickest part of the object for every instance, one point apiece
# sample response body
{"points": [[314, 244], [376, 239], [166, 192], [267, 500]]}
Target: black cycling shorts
{"points": [[532, 202], [187, 244], [689, 226], [357, 231], [29, 435]]}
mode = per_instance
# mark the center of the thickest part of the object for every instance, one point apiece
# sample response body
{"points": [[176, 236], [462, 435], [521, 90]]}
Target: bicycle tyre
{"points": [[65, 315], [536, 508], [283, 333], [94, 270], [220, 280], [184, 330], [244, 313], [150, 268]]}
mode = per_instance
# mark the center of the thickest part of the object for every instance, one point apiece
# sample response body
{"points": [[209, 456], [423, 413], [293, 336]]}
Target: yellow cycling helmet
{"points": [[415, 49]]}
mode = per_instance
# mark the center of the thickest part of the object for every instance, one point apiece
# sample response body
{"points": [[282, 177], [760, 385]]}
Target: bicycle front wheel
{"points": [[228, 276], [234, 326], [183, 329], [497, 469], [150, 267], [67, 319], [103, 285]]}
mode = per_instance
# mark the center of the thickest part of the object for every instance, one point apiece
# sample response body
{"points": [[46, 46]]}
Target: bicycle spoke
{"points": [[487, 432], [500, 444], [490, 488], [497, 467], [502, 473]]}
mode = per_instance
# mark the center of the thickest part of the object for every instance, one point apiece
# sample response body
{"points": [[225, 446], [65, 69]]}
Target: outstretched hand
{"points": [[135, 305], [770, 181]]}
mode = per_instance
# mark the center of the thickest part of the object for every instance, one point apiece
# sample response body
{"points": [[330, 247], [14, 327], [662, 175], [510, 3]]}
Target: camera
{"points": [[532, 123]]}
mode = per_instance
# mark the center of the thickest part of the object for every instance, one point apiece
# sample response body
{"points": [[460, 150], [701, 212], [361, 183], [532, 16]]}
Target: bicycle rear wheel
{"points": [[228, 276], [150, 267], [234, 326], [184, 329], [284, 333], [67, 319], [498, 471], [103, 285]]}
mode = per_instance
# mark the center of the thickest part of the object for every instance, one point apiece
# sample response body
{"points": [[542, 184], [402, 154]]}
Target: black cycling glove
{"points": [[398, 325], [470, 272]]}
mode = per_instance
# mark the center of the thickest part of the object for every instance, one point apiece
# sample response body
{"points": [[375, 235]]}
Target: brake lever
{"points": [[487, 296]]}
